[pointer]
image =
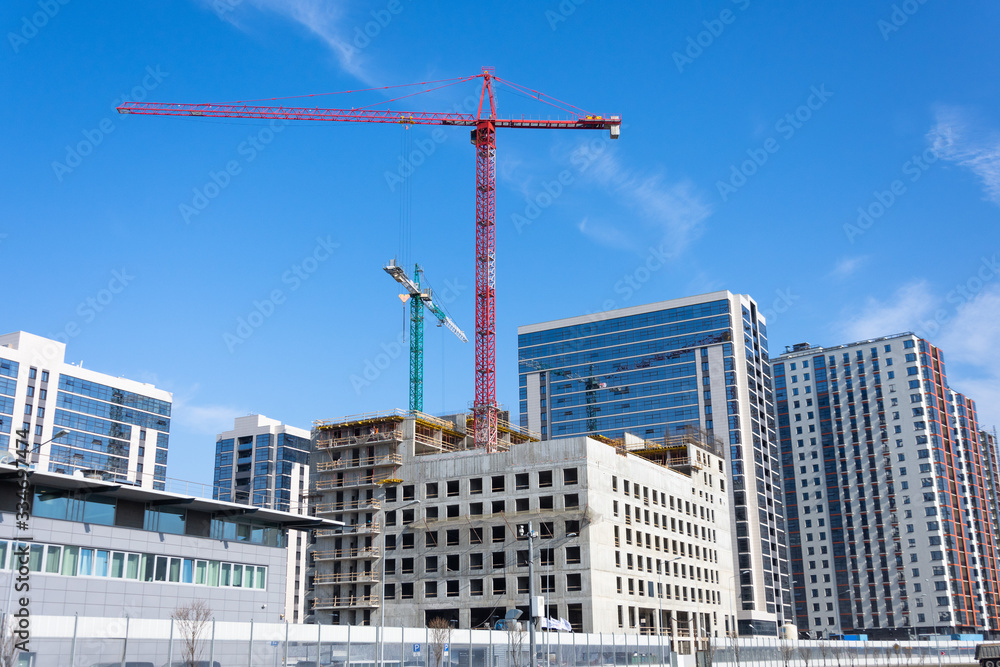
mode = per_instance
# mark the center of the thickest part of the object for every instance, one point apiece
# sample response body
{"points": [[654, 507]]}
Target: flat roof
{"points": [[680, 302], [137, 494]]}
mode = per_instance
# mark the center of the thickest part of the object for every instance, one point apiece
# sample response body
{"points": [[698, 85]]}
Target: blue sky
{"points": [[840, 162]]}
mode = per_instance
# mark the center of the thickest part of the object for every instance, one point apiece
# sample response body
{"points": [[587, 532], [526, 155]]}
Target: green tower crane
{"points": [[418, 300]]}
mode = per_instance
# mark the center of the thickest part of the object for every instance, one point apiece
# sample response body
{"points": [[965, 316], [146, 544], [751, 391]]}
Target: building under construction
{"points": [[633, 535], [357, 461]]}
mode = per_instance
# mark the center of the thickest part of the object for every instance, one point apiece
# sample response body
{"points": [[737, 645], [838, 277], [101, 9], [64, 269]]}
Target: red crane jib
{"points": [[485, 122], [357, 116]]}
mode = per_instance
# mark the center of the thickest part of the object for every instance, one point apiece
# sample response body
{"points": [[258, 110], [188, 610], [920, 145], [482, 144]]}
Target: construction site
{"points": [[631, 525]]}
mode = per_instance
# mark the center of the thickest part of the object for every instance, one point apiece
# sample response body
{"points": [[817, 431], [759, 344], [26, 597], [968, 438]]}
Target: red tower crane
{"points": [[485, 122]]}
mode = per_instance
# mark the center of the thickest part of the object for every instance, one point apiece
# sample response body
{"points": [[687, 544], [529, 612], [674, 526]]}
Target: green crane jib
{"points": [[418, 299]]}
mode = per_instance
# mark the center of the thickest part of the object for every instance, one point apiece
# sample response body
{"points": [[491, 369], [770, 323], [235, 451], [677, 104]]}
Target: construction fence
{"points": [[70, 641]]}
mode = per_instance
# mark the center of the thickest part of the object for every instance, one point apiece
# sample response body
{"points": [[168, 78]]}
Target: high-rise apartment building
{"points": [[661, 371], [90, 422], [265, 463], [887, 492]]}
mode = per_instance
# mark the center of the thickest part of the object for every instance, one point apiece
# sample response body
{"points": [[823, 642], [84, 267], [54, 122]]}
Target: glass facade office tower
{"points": [[663, 370], [114, 427], [265, 463], [889, 492]]}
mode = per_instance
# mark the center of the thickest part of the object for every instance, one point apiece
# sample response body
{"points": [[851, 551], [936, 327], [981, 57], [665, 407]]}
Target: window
{"points": [[452, 537], [476, 561], [499, 586], [499, 560], [569, 476], [476, 587], [572, 500], [432, 489], [475, 509], [453, 488], [499, 506], [521, 481], [572, 555], [522, 504], [406, 591], [574, 582], [430, 589], [430, 564], [544, 478], [497, 484], [476, 486], [406, 566], [499, 534]]}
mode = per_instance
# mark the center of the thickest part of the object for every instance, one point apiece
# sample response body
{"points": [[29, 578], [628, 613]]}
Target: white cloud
{"points": [[846, 266], [965, 329], [969, 344], [322, 19], [953, 140], [907, 309], [673, 212], [607, 235], [207, 419]]}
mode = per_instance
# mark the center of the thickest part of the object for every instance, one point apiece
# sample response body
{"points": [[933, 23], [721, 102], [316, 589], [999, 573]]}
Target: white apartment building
{"points": [[265, 463], [79, 419], [633, 535], [889, 492]]}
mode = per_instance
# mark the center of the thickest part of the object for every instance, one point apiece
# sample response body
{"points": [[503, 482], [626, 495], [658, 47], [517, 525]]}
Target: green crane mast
{"points": [[418, 299]]}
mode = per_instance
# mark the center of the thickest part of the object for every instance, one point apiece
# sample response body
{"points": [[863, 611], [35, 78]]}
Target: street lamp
{"points": [[732, 594], [545, 604], [530, 535], [381, 583]]}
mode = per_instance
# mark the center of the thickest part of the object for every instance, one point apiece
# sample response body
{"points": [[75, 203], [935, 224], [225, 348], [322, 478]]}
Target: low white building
{"points": [[632, 536]]}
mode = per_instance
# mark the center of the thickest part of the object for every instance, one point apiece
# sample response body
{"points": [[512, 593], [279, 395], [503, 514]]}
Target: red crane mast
{"points": [[484, 138]]}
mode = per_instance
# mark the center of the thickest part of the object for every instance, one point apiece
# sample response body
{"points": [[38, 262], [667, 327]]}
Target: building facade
{"points": [[887, 492], [97, 548], [265, 463], [632, 536], [79, 419], [658, 371]]}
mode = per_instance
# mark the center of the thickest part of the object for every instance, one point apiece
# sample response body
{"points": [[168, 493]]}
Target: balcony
{"points": [[346, 578], [348, 506], [347, 554], [373, 528], [346, 602], [350, 481], [367, 462]]}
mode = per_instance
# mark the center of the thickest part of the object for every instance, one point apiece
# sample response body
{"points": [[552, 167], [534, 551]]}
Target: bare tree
{"points": [[515, 643], [787, 652], [192, 621], [734, 645], [440, 633], [8, 643], [805, 654]]}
